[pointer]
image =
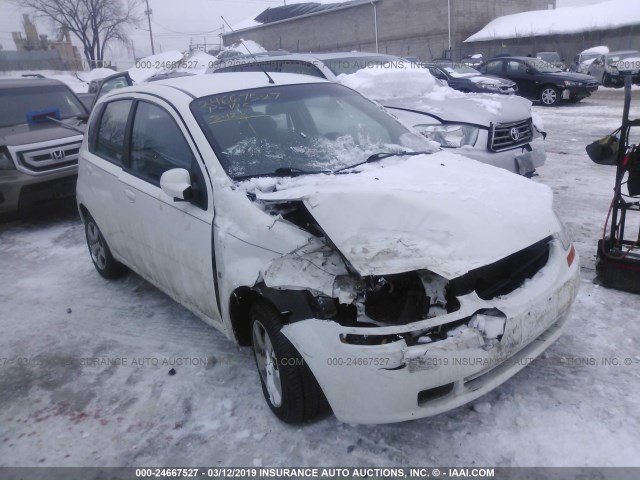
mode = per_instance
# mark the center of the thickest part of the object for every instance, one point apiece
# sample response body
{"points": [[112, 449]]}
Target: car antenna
{"points": [[250, 52]]}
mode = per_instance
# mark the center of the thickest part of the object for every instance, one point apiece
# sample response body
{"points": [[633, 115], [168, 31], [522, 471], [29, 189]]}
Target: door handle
{"points": [[130, 195]]}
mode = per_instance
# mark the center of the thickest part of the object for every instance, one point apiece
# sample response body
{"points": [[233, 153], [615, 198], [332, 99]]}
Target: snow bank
{"points": [[251, 21], [243, 45], [600, 16]]}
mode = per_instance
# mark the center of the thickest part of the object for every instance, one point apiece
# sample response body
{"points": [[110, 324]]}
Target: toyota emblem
{"points": [[515, 134]]}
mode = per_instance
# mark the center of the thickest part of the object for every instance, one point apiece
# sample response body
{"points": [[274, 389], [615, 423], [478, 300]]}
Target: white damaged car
{"points": [[369, 271]]}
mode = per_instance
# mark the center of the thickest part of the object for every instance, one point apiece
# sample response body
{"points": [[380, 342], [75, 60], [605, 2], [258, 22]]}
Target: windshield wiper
{"points": [[381, 156], [64, 125], [282, 172]]}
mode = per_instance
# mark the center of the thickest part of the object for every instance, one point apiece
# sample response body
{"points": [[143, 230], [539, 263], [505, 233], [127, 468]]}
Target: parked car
{"points": [[469, 80], [41, 126], [583, 60], [604, 68], [553, 59], [364, 270], [464, 124], [538, 80], [473, 61]]}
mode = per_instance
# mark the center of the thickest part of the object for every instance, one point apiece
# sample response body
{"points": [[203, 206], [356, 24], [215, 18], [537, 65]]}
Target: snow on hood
{"points": [[601, 50], [440, 212], [417, 89]]}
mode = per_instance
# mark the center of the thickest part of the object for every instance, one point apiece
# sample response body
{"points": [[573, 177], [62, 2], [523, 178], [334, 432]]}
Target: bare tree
{"points": [[96, 23]]}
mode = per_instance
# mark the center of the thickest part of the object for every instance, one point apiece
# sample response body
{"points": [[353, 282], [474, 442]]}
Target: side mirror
{"points": [[177, 184]]}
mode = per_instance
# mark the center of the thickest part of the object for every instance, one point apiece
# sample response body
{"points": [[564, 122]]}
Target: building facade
{"points": [[419, 28]]}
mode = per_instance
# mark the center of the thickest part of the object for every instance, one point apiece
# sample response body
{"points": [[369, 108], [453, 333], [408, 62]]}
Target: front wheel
{"points": [[549, 96], [289, 387], [101, 256]]}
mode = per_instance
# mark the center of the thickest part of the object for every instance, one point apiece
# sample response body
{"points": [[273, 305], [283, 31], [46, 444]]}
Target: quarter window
{"points": [[111, 131], [157, 144]]}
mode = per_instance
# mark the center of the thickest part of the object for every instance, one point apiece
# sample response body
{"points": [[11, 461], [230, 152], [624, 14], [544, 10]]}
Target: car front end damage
{"points": [[415, 298], [409, 364]]}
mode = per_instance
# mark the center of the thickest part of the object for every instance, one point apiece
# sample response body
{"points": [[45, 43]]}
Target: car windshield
{"points": [[309, 128], [349, 65], [542, 66], [19, 103], [616, 58], [461, 71], [549, 56]]}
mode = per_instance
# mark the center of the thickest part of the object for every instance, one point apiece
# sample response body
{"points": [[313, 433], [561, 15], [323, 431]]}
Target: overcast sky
{"points": [[176, 23]]}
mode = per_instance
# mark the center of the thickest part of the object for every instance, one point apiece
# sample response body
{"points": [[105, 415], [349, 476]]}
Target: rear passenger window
{"points": [[494, 67], [111, 131], [302, 68], [157, 144]]}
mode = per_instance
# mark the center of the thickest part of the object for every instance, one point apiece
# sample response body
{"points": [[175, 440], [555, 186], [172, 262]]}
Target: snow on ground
{"points": [[606, 15], [62, 404]]}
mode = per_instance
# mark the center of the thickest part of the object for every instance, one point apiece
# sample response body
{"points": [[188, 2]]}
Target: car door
{"points": [[596, 69], [524, 76], [101, 172], [169, 242]]}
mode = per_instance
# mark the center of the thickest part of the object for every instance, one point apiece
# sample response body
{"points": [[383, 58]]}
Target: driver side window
{"points": [[157, 144]]}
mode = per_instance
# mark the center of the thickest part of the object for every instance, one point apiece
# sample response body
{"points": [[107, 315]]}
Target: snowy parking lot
{"points": [[85, 363]]}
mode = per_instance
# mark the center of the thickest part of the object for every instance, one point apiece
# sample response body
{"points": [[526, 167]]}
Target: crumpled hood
{"points": [[477, 108], [42, 132], [440, 212]]}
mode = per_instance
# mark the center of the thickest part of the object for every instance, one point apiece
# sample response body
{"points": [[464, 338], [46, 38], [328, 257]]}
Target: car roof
{"points": [[203, 85], [309, 57], [19, 82], [620, 52], [511, 57]]}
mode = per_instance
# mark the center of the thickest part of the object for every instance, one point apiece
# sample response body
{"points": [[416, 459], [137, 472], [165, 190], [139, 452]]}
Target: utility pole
{"points": [[449, 19], [375, 23], [148, 12]]}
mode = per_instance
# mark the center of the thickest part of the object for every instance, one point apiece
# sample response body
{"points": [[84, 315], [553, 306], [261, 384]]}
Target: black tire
{"points": [[575, 99], [606, 80], [549, 96], [299, 398], [105, 264]]}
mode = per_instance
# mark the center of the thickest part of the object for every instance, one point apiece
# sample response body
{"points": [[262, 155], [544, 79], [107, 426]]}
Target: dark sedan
{"points": [[466, 79], [538, 80]]}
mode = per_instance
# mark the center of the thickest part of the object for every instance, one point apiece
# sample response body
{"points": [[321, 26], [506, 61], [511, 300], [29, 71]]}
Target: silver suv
{"points": [[488, 128], [41, 127]]}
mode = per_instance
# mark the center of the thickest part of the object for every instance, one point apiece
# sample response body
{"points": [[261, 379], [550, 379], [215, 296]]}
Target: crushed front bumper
{"points": [[518, 160], [394, 382]]}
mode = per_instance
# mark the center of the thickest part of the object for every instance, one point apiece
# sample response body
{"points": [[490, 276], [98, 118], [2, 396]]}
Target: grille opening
{"points": [[501, 137], [504, 276], [426, 396]]}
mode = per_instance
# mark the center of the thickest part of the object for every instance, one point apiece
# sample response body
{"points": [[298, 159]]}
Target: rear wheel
{"points": [[101, 256], [549, 96], [289, 387]]}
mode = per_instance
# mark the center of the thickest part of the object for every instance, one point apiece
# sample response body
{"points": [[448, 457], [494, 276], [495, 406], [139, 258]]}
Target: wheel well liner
{"points": [[293, 304]]}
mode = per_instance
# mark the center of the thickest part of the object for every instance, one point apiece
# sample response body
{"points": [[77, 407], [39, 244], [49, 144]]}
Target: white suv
{"points": [[364, 266]]}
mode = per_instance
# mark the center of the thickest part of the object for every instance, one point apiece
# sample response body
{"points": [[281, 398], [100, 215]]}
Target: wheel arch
{"points": [[292, 304]]}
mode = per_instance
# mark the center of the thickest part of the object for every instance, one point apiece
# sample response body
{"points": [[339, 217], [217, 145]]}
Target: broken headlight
{"points": [[563, 234], [451, 135]]}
